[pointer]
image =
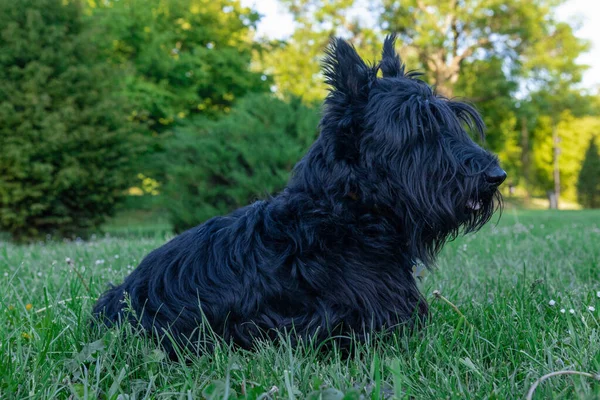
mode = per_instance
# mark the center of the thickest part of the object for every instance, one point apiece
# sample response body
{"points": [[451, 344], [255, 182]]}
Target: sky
{"points": [[277, 23]]}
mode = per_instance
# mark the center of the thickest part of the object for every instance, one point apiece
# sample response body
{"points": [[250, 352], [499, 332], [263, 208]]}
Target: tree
{"points": [[295, 63], [588, 184], [574, 135], [484, 83], [219, 166], [184, 57], [448, 34], [552, 71], [65, 143]]}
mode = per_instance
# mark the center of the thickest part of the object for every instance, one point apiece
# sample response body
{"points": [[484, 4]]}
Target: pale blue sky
{"points": [[276, 23]]}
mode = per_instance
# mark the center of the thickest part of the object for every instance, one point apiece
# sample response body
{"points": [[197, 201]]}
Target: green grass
{"points": [[501, 279]]}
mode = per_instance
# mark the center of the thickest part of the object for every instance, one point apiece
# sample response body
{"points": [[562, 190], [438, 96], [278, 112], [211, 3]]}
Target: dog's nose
{"points": [[495, 176]]}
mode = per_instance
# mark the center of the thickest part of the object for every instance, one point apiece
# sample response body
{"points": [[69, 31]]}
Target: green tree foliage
{"points": [[295, 63], [184, 57], [575, 134], [63, 149], [484, 83], [218, 166], [446, 35], [588, 184]]}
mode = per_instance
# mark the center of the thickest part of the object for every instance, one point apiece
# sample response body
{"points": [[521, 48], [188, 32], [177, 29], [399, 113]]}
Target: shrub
{"points": [[588, 185], [63, 149], [218, 166]]}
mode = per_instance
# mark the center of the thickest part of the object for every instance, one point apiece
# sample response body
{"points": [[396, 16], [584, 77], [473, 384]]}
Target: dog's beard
{"points": [[454, 217], [480, 209], [474, 204]]}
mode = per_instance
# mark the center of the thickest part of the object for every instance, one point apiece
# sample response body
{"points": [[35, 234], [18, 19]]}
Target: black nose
{"points": [[495, 176]]}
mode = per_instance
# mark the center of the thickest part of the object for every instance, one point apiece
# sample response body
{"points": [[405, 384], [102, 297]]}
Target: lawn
{"points": [[529, 290]]}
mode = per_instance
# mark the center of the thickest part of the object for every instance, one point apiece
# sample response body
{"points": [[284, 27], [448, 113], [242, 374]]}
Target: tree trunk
{"points": [[556, 171], [525, 159], [444, 90], [445, 75]]}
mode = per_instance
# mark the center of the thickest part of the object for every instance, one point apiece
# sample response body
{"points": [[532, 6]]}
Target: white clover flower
{"points": [[572, 311], [562, 310], [598, 293], [591, 308], [552, 302]]}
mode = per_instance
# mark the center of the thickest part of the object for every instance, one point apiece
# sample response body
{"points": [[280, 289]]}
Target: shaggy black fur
{"points": [[392, 177]]}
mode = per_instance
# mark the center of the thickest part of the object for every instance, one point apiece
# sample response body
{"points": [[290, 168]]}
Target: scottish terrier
{"points": [[393, 175]]}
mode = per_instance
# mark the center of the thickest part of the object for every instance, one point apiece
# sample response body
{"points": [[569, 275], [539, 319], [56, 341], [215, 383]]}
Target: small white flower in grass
{"points": [[591, 308], [552, 302], [98, 262], [598, 293], [116, 256], [562, 310], [572, 311], [6, 274], [39, 274]]}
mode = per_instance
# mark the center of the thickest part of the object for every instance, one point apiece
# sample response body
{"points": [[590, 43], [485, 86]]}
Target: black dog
{"points": [[392, 177]]}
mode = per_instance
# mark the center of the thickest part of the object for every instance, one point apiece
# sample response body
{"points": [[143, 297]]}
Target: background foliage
{"points": [[181, 58], [588, 184], [221, 167], [66, 147]]}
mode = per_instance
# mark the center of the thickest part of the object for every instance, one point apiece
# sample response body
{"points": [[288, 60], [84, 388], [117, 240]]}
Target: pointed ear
{"points": [[390, 65], [345, 71]]}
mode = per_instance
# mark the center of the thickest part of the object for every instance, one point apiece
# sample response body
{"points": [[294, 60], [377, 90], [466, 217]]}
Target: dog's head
{"points": [[407, 151]]}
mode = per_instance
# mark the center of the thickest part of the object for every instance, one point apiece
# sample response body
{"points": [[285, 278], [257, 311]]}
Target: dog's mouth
{"points": [[474, 204]]}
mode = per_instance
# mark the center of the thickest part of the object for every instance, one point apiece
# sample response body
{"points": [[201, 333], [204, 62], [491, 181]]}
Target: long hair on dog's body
{"points": [[392, 177]]}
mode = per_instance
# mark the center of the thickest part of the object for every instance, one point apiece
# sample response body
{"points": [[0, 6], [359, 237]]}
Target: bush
{"points": [[588, 185], [218, 166], [183, 57], [63, 149]]}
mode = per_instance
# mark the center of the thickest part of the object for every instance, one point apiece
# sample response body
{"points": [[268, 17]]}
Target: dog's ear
{"points": [[390, 65], [344, 70]]}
